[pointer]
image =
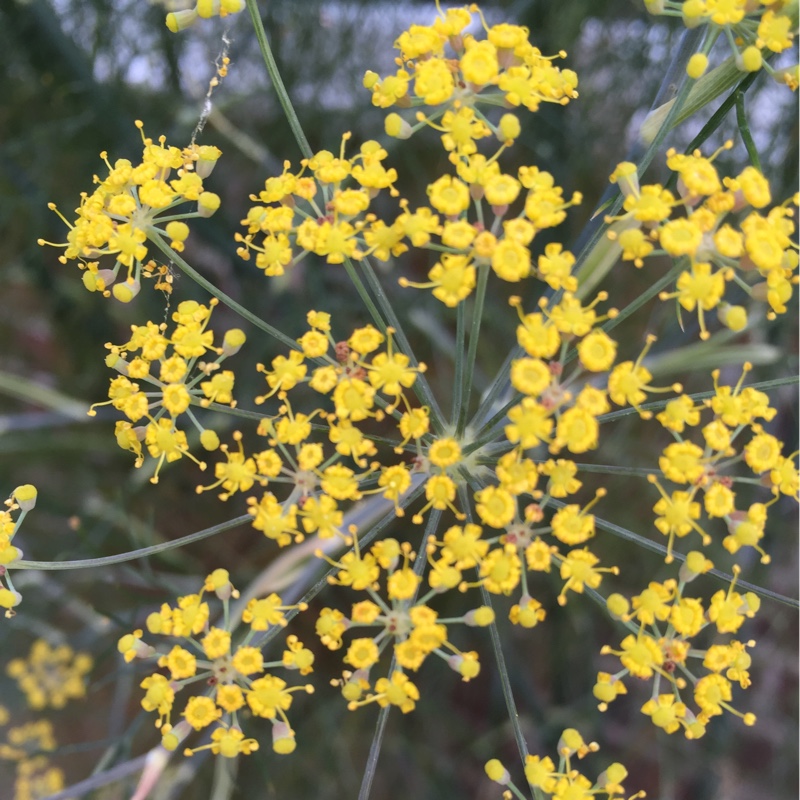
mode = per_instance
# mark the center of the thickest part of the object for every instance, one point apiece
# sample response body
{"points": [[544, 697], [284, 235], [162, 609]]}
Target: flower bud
{"points": [[733, 317], [749, 60], [181, 20], [207, 204], [509, 128], [479, 617], [497, 772], [283, 741], [396, 127], [125, 292], [25, 496], [697, 65]]}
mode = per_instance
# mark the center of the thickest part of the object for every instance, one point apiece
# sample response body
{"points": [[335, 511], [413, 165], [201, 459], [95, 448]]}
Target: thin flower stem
{"points": [[376, 315], [744, 131], [383, 715], [497, 649], [498, 385], [655, 547], [460, 357], [508, 695], [255, 321], [375, 748], [474, 335], [421, 385], [277, 81], [132, 555]]}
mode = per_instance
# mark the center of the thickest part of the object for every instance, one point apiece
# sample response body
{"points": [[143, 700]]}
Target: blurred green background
{"points": [[77, 74]]}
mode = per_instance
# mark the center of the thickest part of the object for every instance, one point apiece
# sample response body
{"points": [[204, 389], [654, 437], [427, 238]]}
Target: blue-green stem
{"points": [[132, 555], [249, 316], [277, 81], [421, 385], [744, 130], [474, 335], [655, 547], [355, 278], [460, 358], [383, 715], [497, 649]]}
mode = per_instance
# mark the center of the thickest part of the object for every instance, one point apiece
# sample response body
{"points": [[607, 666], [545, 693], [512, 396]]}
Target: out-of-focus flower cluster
{"points": [[754, 31], [27, 747], [49, 677]]}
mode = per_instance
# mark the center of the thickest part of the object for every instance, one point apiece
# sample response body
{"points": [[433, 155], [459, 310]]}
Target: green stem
{"points": [[658, 405], [421, 385], [460, 357], [134, 554], [43, 396], [497, 649], [744, 131], [255, 321], [383, 716], [277, 81], [365, 296], [474, 335]]}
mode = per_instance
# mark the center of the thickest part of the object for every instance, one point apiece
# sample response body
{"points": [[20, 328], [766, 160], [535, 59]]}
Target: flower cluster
{"points": [[564, 782], [406, 623], [353, 418], [178, 384], [325, 212], [650, 653], [26, 747], [22, 499], [128, 207], [234, 675], [340, 227], [753, 32], [502, 68], [702, 470], [50, 676], [758, 254]]}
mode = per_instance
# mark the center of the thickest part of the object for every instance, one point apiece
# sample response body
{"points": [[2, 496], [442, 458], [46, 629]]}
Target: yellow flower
{"points": [[200, 712], [362, 653], [496, 507], [511, 261], [444, 452]]}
